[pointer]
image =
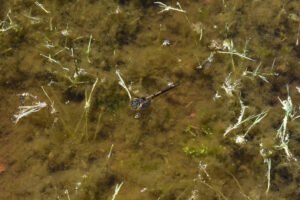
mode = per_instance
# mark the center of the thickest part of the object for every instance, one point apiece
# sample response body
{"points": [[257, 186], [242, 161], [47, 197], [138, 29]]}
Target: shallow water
{"points": [[87, 140]]}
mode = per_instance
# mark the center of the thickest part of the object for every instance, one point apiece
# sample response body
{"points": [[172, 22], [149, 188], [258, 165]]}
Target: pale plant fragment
{"points": [[117, 189], [201, 178], [240, 121], [198, 28], [194, 195], [27, 94], [258, 118], [51, 60], [223, 1], [7, 23], [49, 45], [297, 40], [207, 62], [87, 108], [27, 110], [230, 86], [42, 7], [122, 83], [216, 96], [230, 50], [282, 134], [268, 162], [265, 153], [88, 51], [54, 111], [239, 185], [260, 75], [168, 8], [33, 20], [110, 151], [50, 23], [88, 101], [24, 96], [66, 32], [298, 88], [67, 194], [240, 139]]}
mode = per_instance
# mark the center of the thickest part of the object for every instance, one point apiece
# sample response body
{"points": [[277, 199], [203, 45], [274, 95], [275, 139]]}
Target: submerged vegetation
{"points": [[77, 124]]}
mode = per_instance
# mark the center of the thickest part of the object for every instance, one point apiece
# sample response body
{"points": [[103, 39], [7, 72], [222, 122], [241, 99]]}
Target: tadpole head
{"points": [[135, 103], [140, 103]]}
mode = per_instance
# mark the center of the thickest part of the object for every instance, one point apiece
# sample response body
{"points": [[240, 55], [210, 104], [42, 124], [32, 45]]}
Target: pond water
{"points": [[70, 70]]}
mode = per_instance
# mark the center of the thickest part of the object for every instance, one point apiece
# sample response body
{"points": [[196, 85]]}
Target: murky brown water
{"points": [[86, 142]]}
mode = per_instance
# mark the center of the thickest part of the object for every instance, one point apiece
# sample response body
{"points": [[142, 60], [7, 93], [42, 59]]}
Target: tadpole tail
{"points": [[163, 91]]}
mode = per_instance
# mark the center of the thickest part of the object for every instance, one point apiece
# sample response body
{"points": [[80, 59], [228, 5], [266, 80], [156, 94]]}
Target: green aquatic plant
{"points": [[189, 129], [195, 152], [207, 131]]}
